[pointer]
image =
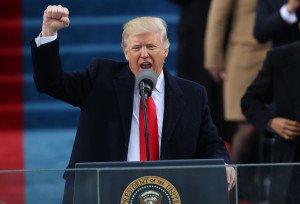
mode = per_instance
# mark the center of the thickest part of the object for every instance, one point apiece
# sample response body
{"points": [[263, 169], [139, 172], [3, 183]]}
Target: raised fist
{"points": [[55, 18]]}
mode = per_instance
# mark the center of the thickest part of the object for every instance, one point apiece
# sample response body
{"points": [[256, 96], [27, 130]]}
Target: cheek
{"points": [[133, 61], [160, 59], [133, 64], [132, 57]]}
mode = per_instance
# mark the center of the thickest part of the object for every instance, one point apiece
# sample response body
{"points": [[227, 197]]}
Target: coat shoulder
{"points": [[108, 64], [107, 67], [189, 86]]}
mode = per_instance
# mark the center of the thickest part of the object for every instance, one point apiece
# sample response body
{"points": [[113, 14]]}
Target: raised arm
{"points": [[49, 76]]}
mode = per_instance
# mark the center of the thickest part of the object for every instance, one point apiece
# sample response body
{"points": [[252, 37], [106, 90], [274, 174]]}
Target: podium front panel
{"points": [[164, 182]]}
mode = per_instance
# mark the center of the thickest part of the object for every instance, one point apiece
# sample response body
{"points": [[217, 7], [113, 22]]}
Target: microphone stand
{"points": [[144, 97]]}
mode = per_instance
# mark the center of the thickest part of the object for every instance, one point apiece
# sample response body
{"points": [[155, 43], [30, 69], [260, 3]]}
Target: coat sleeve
{"points": [[258, 97], [269, 24], [210, 145], [50, 78]]}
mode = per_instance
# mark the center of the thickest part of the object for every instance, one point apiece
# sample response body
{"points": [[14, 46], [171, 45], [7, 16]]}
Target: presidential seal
{"points": [[150, 190]]}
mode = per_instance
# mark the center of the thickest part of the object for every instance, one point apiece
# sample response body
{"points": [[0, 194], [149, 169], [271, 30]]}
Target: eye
{"points": [[136, 48], [151, 47]]}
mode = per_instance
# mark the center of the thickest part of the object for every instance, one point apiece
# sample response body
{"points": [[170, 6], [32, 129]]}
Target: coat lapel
{"points": [[174, 105], [124, 85]]}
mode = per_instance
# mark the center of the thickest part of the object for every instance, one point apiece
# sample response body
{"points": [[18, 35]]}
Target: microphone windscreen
{"points": [[147, 76]]}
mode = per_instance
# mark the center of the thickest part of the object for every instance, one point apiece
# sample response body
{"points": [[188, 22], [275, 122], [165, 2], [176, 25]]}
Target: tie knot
{"points": [[150, 104]]}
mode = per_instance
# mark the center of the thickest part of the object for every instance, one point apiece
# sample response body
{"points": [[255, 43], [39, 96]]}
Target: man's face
{"points": [[145, 51]]}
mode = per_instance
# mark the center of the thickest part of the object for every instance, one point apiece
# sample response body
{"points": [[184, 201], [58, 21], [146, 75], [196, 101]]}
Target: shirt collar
{"points": [[160, 84]]}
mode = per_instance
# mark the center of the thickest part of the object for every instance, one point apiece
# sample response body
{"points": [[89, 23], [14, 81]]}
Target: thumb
{"points": [[65, 21]]}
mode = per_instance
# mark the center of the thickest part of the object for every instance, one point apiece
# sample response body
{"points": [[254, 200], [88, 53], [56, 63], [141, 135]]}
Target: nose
{"points": [[144, 52]]}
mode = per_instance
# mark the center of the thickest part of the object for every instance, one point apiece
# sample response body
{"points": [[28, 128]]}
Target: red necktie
{"points": [[153, 131]]}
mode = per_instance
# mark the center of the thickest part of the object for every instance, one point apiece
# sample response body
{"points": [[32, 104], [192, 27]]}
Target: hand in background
{"points": [[55, 18], [292, 5], [287, 129], [218, 75]]}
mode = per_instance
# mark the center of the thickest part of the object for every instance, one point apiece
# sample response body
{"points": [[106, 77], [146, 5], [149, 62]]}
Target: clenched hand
{"points": [[55, 18]]}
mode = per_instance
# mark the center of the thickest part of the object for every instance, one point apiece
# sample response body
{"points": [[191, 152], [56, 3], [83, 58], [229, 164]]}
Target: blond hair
{"points": [[144, 25]]}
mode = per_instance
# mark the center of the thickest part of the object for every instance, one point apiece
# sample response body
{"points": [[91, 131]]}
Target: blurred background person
{"points": [[236, 66], [278, 83], [190, 55], [277, 21]]}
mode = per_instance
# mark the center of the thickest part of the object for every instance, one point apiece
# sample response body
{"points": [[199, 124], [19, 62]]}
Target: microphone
{"points": [[146, 81]]}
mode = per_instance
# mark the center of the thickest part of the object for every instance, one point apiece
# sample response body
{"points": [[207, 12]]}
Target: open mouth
{"points": [[145, 65]]}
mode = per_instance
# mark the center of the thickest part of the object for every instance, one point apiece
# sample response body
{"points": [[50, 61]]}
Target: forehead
{"points": [[150, 37]]}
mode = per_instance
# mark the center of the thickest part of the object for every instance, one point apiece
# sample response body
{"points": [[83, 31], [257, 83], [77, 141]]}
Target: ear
{"points": [[125, 51], [166, 52]]}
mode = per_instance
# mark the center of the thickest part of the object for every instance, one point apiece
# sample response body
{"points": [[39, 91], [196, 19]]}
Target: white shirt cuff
{"points": [[288, 17], [43, 40]]}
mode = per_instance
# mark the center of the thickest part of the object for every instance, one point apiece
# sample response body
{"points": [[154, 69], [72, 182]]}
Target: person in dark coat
{"points": [[278, 84], [108, 98]]}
